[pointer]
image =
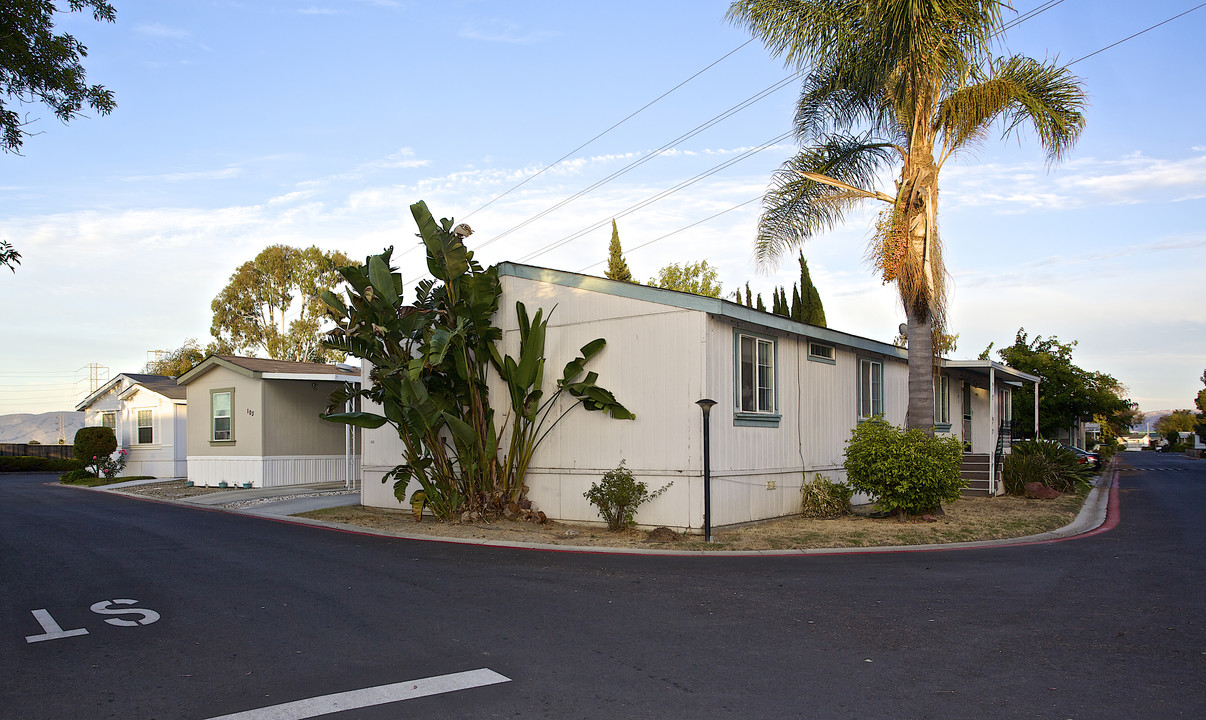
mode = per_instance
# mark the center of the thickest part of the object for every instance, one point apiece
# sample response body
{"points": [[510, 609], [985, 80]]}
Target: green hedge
{"points": [[28, 463]]}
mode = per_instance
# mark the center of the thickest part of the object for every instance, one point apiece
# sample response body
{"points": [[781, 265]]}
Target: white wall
{"points": [[659, 360]]}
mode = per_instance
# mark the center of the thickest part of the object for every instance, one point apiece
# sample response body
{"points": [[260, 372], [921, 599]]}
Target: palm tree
{"points": [[900, 85]]}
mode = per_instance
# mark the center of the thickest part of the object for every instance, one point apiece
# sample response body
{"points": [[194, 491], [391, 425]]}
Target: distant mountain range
{"points": [[43, 427]]}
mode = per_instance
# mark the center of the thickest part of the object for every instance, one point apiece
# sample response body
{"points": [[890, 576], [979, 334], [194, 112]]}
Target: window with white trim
{"points": [[756, 374], [146, 427], [870, 388], [221, 403], [822, 353], [108, 418]]}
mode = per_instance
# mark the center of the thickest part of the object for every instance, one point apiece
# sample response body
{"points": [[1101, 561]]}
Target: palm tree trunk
{"points": [[920, 413]]}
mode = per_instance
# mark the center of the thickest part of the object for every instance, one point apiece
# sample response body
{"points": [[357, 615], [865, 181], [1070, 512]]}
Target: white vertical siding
{"points": [[211, 471], [659, 361]]}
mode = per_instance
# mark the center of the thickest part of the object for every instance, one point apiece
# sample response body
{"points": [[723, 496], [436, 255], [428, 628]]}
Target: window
{"points": [[870, 388], [221, 402], [944, 400], [822, 353], [146, 429], [757, 374], [108, 418]]}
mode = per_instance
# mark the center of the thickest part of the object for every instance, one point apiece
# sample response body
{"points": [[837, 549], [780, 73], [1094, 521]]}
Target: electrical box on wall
{"points": [[770, 484]]}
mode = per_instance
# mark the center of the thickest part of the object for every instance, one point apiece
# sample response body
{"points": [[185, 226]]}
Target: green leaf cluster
{"points": [[697, 278], [251, 314], [431, 365], [1067, 393], [903, 470], [38, 66], [824, 498], [1043, 461], [93, 446], [619, 495]]}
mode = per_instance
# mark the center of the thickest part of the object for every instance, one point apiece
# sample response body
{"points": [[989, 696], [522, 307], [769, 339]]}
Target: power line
{"points": [[646, 158], [1131, 37], [613, 127], [660, 196], [675, 232]]}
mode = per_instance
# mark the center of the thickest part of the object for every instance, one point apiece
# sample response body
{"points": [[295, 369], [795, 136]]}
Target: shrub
{"points": [[903, 470], [27, 463], [823, 498], [1044, 461], [74, 476], [93, 445], [619, 496]]}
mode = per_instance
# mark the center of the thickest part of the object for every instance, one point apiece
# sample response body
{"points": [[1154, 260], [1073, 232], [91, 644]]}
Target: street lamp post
{"points": [[706, 406]]}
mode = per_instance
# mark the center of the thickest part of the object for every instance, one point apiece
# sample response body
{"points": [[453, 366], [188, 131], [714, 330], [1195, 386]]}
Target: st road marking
{"points": [[52, 631], [51, 628], [367, 697]]}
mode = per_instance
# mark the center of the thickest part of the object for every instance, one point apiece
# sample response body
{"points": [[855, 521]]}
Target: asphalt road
{"points": [[236, 613]]}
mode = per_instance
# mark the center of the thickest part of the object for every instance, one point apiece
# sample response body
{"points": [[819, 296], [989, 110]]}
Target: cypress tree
{"points": [[813, 312], [760, 306], [749, 299], [797, 309], [617, 267]]}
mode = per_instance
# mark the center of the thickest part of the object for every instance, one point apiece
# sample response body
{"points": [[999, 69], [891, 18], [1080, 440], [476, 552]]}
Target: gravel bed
{"points": [[264, 501]]}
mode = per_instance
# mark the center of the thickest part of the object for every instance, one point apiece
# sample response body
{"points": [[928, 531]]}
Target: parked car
{"points": [[1092, 459]]}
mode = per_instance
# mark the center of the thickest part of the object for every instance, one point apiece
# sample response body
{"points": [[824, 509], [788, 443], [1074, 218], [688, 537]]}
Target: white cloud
{"points": [[503, 31], [161, 31], [229, 173]]}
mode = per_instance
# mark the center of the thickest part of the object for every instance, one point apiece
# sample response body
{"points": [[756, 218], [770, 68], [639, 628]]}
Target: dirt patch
{"points": [[965, 520]]}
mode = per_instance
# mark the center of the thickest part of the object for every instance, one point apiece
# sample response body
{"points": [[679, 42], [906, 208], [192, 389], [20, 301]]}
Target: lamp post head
{"points": [[705, 405]]}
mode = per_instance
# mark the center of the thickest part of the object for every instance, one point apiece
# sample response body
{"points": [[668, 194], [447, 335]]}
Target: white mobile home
{"points": [[787, 396], [148, 416]]}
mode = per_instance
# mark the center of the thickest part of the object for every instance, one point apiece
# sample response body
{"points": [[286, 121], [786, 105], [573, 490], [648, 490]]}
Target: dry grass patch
{"points": [[967, 519]]}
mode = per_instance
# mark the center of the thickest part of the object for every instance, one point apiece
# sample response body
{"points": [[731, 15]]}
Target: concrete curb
{"points": [[1092, 515]]}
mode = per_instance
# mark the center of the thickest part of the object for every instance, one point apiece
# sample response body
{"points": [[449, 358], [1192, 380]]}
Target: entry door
{"points": [[967, 416]]}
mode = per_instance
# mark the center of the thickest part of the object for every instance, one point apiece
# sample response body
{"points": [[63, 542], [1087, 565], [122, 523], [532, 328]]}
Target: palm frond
{"points": [[1019, 91], [812, 191]]}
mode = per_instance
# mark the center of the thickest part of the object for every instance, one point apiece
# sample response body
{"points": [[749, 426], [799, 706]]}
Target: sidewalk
{"points": [[283, 502]]}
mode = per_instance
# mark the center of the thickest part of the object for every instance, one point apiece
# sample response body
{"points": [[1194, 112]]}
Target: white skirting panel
{"points": [[268, 471], [156, 468]]}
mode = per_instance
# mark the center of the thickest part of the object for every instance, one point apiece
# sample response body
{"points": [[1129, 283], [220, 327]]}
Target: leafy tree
{"points": [[179, 361], [9, 257], [617, 267], [430, 371], [1200, 401], [251, 314], [902, 85], [697, 278], [1178, 421], [38, 66], [1067, 393]]}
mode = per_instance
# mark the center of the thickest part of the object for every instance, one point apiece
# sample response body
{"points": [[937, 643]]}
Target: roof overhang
{"points": [[214, 361], [1003, 373], [715, 307]]}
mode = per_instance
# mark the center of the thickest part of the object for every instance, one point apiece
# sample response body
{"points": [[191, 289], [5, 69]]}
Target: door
{"points": [[967, 417]]}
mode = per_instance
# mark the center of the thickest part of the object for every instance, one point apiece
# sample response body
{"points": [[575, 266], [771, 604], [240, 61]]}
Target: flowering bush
{"points": [[113, 465]]}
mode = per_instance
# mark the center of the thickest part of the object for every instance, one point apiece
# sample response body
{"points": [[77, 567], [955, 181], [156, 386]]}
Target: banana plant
{"points": [[430, 376]]}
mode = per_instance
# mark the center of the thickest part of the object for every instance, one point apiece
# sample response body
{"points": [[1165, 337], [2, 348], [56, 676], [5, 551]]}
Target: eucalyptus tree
{"points": [[903, 87]]}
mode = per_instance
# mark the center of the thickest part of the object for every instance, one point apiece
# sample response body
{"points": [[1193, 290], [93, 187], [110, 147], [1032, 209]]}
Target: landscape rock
{"points": [[1039, 491]]}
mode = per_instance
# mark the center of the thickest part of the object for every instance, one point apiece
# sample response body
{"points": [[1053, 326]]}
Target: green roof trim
{"points": [[712, 306]]}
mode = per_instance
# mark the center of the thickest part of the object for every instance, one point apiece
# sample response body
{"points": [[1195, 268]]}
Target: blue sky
{"points": [[244, 124]]}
